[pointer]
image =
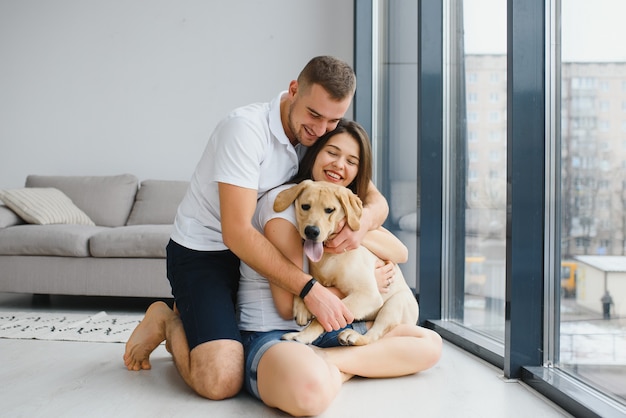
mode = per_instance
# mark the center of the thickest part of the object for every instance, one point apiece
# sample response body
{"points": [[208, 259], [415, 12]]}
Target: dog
{"points": [[320, 207]]}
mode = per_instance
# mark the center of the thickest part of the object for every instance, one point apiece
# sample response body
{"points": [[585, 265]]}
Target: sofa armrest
{"points": [[8, 217], [410, 222]]}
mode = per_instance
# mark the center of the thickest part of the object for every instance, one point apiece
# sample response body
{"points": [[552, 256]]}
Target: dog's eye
{"points": [[329, 210], [305, 206]]}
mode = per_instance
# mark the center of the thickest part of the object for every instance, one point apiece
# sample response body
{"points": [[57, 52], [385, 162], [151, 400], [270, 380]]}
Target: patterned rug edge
{"points": [[53, 326]]}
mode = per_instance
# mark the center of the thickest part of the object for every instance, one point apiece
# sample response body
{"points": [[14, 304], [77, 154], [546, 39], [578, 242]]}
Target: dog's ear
{"points": [[288, 196], [352, 206]]}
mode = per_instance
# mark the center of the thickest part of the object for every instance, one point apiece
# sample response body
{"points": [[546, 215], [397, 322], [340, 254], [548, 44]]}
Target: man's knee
{"points": [[217, 369], [218, 384]]}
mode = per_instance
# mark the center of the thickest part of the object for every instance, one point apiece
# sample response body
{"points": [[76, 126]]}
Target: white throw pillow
{"points": [[44, 206]]}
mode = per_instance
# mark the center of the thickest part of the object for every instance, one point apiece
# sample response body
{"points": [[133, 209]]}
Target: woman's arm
{"points": [[385, 245]]}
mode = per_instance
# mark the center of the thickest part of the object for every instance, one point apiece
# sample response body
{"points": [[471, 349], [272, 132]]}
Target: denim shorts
{"points": [[255, 344]]}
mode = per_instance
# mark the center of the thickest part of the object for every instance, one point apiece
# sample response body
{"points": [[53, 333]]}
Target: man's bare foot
{"points": [[147, 336]]}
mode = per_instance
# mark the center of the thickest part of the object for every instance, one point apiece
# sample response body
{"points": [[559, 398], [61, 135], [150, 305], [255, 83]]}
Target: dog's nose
{"points": [[312, 232]]}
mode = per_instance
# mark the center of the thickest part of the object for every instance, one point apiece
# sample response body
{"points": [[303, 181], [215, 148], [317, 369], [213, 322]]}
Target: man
{"points": [[254, 149]]}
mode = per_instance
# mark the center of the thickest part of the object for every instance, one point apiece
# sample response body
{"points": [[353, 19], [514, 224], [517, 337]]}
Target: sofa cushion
{"points": [[8, 217], [143, 241], [44, 206], [55, 240], [107, 200], [157, 202]]}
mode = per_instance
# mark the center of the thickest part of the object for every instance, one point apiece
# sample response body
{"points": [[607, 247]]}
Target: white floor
{"points": [[72, 379]]}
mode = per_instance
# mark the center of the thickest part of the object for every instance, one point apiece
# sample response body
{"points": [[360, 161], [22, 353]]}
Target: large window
{"points": [[515, 215]]}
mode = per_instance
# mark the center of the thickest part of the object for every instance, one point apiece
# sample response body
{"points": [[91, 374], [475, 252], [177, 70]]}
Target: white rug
{"points": [[100, 327]]}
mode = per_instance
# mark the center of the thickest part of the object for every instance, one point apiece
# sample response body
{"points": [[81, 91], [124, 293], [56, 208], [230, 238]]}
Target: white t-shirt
{"points": [[255, 305], [249, 149]]}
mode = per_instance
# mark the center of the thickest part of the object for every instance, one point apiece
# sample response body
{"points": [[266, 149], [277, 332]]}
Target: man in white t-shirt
{"points": [[251, 151]]}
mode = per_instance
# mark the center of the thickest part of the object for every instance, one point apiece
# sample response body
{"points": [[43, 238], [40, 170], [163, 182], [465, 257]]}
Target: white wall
{"points": [[136, 86]]}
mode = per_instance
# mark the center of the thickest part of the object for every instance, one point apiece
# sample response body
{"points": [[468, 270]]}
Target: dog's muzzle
{"points": [[312, 232]]}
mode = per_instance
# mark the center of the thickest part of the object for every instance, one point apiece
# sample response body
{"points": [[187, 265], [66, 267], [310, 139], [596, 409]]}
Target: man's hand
{"points": [[328, 309]]}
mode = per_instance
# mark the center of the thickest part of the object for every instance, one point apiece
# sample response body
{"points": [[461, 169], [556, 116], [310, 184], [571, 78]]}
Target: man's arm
{"points": [[377, 206], [286, 238], [375, 211], [237, 206]]}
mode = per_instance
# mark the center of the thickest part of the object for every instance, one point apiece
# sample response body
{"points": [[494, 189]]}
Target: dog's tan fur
{"points": [[324, 205]]}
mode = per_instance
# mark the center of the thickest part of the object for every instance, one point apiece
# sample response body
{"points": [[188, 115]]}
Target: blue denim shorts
{"points": [[255, 344]]}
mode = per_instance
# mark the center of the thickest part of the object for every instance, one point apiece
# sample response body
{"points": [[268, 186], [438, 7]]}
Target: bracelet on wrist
{"points": [[307, 287]]}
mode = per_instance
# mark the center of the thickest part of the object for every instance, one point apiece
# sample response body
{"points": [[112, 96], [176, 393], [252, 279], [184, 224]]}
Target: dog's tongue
{"points": [[313, 250]]}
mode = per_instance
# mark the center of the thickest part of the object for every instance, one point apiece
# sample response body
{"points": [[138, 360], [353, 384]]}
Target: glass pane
{"points": [[399, 126], [479, 183], [593, 193]]}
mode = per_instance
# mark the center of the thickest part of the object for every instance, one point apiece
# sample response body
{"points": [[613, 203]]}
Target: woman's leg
{"points": [[404, 350], [293, 378], [303, 380]]}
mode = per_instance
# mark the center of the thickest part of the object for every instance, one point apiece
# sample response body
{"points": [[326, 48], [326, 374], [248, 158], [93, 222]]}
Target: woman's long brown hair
{"points": [[361, 182]]}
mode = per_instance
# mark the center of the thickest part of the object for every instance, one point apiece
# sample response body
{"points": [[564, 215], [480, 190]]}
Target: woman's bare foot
{"points": [[147, 336], [323, 353]]}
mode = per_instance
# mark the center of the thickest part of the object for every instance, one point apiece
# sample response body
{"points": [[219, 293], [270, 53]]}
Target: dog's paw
{"points": [[290, 336], [297, 336], [303, 318], [351, 337], [301, 314]]}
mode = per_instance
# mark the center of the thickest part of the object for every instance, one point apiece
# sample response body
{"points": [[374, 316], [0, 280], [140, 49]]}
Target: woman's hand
{"points": [[384, 273], [345, 240]]}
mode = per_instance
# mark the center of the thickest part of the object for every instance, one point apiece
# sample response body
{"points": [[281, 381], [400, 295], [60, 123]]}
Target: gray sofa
{"points": [[120, 253]]}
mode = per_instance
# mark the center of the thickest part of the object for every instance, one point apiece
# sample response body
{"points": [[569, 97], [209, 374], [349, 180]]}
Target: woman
{"points": [[303, 379]]}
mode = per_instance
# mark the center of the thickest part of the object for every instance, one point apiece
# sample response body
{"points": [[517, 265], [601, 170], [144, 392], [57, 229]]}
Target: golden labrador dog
{"points": [[320, 206]]}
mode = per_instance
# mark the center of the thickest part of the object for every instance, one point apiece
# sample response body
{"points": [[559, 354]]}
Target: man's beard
{"points": [[295, 133]]}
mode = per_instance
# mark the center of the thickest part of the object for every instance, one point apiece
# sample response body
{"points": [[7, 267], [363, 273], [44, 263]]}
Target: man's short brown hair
{"points": [[334, 75]]}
